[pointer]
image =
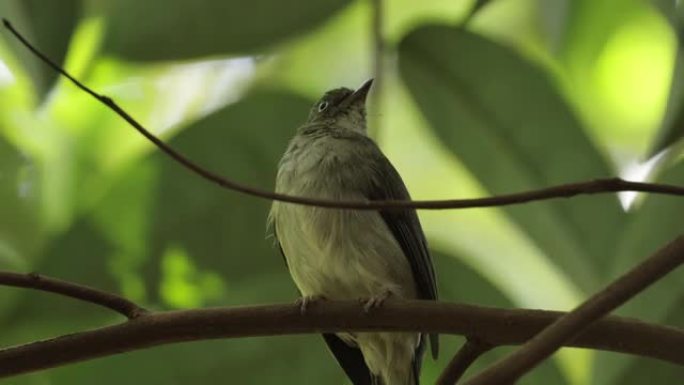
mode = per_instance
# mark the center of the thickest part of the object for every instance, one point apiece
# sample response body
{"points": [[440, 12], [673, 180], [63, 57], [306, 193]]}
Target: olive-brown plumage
{"points": [[351, 254]]}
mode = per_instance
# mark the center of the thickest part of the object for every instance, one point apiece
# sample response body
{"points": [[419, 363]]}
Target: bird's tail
{"points": [[410, 377]]}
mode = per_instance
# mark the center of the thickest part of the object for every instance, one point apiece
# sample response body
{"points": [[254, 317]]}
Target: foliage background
{"points": [[530, 93]]}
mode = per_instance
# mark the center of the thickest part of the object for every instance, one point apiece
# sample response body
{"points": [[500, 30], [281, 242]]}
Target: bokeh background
{"points": [[527, 94]]}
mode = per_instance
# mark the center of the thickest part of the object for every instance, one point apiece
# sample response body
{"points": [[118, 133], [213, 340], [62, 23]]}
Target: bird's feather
{"points": [[405, 226], [351, 360]]}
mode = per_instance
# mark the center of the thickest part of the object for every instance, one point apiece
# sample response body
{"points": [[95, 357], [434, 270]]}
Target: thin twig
{"points": [[513, 366], [497, 326], [471, 350], [560, 191], [84, 293]]}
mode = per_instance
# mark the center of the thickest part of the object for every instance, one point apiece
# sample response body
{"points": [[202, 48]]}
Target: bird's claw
{"points": [[307, 300], [375, 302]]}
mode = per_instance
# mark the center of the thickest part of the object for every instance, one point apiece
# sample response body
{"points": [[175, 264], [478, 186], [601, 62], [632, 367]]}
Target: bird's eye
{"points": [[322, 106]]}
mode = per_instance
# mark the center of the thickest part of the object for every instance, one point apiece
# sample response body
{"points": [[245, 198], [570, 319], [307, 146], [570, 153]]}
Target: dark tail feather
{"points": [[351, 360]]}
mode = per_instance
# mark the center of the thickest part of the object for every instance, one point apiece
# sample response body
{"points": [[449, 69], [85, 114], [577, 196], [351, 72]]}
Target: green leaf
{"points": [[156, 207], [658, 221], [672, 127], [49, 26], [180, 29], [220, 230], [507, 123], [21, 233]]}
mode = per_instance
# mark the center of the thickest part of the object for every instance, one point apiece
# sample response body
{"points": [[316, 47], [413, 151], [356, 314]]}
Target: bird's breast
{"points": [[336, 253]]}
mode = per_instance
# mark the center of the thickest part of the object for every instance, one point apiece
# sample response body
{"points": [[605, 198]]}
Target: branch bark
{"points": [[471, 350], [560, 191], [497, 326], [84, 293], [512, 367]]}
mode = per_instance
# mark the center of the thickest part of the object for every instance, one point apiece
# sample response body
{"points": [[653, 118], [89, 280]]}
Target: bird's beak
{"points": [[362, 92], [359, 96]]}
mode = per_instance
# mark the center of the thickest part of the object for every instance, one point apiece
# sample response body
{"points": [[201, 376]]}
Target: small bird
{"points": [[352, 254]]}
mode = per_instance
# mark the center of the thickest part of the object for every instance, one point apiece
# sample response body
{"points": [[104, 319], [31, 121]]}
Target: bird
{"points": [[343, 254]]}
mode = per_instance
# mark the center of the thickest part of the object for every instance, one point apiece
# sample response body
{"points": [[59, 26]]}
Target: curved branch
{"points": [[496, 326], [560, 191], [512, 367], [471, 350], [84, 293]]}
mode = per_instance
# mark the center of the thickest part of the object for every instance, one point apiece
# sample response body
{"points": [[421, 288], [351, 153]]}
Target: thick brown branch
{"points": [[560, 191], [73, 290], [497, 326], [471, 350], [512, 367]]}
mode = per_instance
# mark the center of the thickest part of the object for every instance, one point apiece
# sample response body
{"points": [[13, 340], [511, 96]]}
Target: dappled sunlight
{"points": [[632, 78], [183, 285]]}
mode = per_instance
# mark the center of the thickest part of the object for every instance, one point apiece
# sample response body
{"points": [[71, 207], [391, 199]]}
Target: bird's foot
{"points": [[305, 301], [375, 301]]}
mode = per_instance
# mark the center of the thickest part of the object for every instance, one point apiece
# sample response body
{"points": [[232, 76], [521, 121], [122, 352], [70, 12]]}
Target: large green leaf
{"points": [[658, 221], [180, 29], [49, 25], [221, 230], [507, 123]]}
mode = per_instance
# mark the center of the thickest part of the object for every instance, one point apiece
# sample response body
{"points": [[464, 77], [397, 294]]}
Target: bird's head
{"points": [[343, 108]]}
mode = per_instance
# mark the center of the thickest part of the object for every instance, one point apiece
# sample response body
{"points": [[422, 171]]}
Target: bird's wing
{"points": [[404, 225], [271, 233]]}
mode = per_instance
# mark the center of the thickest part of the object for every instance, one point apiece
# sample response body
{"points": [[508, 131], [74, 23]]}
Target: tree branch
{"points": [[512, 367], [84, 293], [497, 326], [561, 191], [471, 350]]}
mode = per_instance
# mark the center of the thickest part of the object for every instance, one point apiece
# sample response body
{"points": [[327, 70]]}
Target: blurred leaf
{"points": [[21, 232], [267, 360], [672, 127], [479, 4], [650, 371], [460, 283], [590, 26], [504, 119], [617, 58], [673, 10], [79, 255], [137, 30], [48, 25], [155, 204], [554, 18], [221, 230], [651, 226]]}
